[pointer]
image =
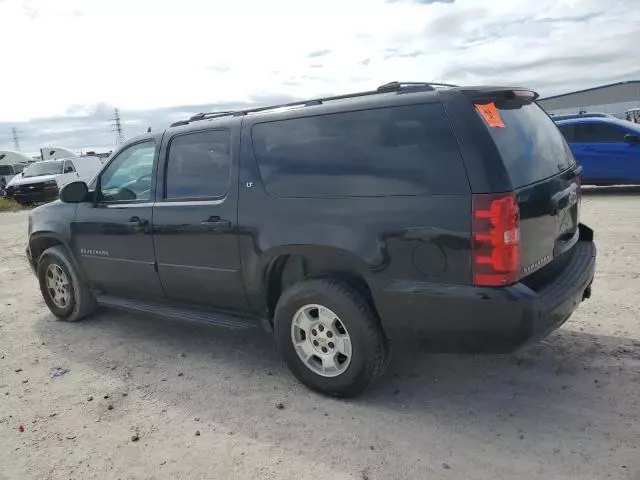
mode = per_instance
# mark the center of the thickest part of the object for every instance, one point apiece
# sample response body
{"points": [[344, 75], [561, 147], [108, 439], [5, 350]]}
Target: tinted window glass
{"points": [[68, 167], [599, 133], [405, 150], [128, 176], [198, 165], [18, 167], [6, 170], [530, 144], [568, 131]]}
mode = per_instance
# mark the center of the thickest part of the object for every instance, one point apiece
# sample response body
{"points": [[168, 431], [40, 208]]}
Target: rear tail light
{"points": [[496, 239]]}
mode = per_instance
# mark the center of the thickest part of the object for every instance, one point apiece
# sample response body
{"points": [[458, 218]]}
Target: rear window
{"points": [[597, 132], [407, 150], [530, 144]]}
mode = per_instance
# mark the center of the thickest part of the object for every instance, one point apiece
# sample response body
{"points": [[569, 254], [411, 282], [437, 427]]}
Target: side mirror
{"points": [[632, 138], [74, 192]]}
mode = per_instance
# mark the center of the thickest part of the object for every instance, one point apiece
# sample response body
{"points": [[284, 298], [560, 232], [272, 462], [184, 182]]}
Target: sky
{"points": [[65, 64]]}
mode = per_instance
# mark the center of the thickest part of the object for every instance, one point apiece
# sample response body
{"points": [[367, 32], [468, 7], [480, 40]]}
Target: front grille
{"points": [[29, 188]]}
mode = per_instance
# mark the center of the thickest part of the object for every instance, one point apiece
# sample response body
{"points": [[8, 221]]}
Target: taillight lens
{"points": [[496, 239]]}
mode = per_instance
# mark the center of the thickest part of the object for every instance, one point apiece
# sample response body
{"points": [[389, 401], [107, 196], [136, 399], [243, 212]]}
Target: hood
{"points": [[20, 180]]}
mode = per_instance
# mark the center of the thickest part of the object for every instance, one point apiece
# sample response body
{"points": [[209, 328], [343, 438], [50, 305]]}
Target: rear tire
{"points": [[62, 288], [330, 337]]}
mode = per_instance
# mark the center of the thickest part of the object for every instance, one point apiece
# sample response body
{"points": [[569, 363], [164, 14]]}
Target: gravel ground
{"points": [[145, 398]]}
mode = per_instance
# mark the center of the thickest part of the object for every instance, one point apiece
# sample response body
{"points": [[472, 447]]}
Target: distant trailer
{"points": [[53, 153], [9, 157]]}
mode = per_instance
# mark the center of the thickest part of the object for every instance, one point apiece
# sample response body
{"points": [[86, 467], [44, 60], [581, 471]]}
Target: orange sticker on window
{"points": [[490, 113]]}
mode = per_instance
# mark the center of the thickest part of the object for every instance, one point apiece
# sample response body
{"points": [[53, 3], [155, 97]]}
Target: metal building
{"points": [[616, 99]]}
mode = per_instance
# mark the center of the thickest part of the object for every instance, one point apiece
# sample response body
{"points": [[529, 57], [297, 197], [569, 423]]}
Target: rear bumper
{"points": [[509, 316]]}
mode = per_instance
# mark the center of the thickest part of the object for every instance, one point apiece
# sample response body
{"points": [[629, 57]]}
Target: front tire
{"points": [[330, 337], [63, 290]]}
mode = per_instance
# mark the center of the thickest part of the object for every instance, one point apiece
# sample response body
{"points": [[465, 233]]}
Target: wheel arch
{"points": [[283, 267], [41, 241]]}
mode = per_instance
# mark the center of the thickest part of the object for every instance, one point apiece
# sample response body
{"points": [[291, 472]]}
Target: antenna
{"points": [[117, 127], [16, 139]]}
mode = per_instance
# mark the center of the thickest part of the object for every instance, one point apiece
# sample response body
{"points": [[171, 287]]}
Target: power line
{"points": [[117, 127], [16, 139]]}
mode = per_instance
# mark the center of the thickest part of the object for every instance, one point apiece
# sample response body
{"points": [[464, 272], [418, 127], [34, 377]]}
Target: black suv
{"points": [[338, 223]]}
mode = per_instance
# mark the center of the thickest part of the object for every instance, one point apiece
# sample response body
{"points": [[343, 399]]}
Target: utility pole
{"points": [[117, 127], [16, 139]]}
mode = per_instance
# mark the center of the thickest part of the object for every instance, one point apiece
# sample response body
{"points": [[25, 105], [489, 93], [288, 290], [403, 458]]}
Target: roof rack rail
{"points": [[388, 87], [305, 103], [202, 116], [395, 86]]}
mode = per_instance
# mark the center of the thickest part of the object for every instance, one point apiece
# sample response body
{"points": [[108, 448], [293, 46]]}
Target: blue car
{"points": [[607, 148]]}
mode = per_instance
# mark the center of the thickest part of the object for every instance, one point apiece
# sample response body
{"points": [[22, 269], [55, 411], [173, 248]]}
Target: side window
{"points": [[68, 167], [128, 176], [18, 168], [593, 132], [198, 165], [568, 131], [406, 150]]}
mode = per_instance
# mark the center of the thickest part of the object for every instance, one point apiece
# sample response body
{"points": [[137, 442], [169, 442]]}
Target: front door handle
{"points": [[216, 223], [137, 224]]}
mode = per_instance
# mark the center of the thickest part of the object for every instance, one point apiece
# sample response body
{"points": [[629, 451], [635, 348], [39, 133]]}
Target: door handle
{"points": [[136, 223], [216, 223], [562, 199]]}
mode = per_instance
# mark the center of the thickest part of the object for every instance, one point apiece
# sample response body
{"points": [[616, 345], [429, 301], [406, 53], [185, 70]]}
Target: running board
{"points": [[188, 314]]}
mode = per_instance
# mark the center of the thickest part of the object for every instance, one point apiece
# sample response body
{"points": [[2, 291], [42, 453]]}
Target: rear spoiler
{"points": [[519, 95]]}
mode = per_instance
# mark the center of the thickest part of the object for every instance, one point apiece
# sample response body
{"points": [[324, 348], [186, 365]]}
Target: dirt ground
{"points": [[145, 398]]}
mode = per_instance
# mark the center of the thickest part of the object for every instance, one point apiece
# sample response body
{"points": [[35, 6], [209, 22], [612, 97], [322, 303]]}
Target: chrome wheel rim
{"points": [[321, 340], [58, 286]]}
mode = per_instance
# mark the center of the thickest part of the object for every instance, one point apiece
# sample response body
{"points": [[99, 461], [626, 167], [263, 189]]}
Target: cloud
{"points": [[413, 54], [65, 70], [91, 126], [319, 53], [423, 2]]}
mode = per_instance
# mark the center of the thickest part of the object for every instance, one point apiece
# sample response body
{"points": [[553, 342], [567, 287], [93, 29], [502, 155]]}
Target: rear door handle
{"points": [[215, 223]]}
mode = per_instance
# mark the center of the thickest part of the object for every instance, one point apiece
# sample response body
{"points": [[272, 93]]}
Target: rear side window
{"points": [[531, 146], [593, 132], [68, 167], [569, 132], [198, 165], [407, 150]]}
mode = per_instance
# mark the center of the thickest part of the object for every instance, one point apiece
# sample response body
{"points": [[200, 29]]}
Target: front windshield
{"points": [[43, 168]]}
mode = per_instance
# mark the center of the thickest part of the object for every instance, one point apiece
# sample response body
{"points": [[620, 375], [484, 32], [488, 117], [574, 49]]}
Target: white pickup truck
{"points": [[42, 181]]}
